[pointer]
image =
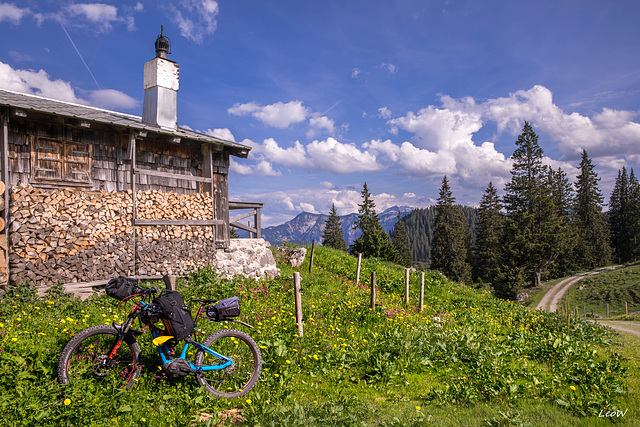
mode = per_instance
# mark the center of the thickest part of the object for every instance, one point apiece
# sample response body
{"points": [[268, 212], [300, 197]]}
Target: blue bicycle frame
{"points": [[164, 351]]}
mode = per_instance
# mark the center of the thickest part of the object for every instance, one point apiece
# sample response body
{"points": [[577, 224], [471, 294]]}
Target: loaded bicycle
{"points": [[227, 362]]}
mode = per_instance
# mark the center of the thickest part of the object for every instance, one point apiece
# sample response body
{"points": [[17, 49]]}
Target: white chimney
{"points": [[160, 106]]}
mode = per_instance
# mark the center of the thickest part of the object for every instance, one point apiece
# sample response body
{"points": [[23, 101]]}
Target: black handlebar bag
{"points": [[122, 287], [176, 314]]}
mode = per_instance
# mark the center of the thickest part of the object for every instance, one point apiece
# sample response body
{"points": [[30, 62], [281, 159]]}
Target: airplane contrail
{"points": [[79, 54]]}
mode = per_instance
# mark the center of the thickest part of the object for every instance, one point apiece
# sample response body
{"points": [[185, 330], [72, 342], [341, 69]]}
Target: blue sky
{"points": [[330, 94]]}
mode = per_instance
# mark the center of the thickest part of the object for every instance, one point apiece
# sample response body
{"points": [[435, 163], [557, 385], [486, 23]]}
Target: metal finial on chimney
{"points": [[163, 45]]}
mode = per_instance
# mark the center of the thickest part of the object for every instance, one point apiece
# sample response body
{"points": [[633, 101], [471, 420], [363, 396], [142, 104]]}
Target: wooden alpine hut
{"points": [[90, 194]]}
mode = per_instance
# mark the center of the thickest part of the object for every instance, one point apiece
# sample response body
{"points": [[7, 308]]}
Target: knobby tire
{"points": [[82, 356], [237, 379]]}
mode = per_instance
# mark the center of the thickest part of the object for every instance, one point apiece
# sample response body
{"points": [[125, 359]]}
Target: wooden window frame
{"points": [[66, 154]]}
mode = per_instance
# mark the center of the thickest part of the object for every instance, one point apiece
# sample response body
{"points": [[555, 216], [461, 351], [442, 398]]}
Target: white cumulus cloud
{"points": [[607, 133], [320, 125], [324, 155], [384, 113], [196, 19], [99, 13], [280, 115], [98, 17], [223, 133], [12, 13], [40, 83]]}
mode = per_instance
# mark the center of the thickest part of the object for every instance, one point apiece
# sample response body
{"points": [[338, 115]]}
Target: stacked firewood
{"points": [[74, 235]]}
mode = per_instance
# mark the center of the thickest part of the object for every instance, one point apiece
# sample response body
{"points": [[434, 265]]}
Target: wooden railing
{"points": [[256, 209]]}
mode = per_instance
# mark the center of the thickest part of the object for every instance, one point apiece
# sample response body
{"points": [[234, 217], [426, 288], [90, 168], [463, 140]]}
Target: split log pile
{"points": [[74, 235], [173, 249]]}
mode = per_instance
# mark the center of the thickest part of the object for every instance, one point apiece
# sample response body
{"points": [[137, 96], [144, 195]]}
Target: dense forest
{"points": [[419, 226], [544, 226]]}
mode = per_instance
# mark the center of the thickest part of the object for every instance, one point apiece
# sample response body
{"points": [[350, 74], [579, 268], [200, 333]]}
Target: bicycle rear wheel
{"points": [[237, 379], [83, 356]]}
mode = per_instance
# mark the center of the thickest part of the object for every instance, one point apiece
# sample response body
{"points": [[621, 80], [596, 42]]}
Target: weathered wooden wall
{"points": [[111, 165]]}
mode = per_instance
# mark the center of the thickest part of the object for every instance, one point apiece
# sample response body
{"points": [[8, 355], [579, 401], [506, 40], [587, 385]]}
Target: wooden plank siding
{"points": [[110, 162]]}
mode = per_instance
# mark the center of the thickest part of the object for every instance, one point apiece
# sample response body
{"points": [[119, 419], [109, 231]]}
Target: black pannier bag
{"points": [[122, 287], [228, 307], [176, 314]]}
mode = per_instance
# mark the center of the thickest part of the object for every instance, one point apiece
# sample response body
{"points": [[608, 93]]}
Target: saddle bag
{"points": [[122, 287], [228, 307], [175, 313]]}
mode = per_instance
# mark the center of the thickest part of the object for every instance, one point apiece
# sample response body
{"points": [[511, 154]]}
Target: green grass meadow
{"points": [[615, 287], [466, 359]]}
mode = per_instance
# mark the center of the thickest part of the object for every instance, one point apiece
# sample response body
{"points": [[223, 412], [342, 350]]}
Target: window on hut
{"points": [[61, 161]]}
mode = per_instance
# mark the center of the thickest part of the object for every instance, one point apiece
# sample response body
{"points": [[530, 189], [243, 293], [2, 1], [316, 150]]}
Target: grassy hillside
{"points": [[615, 287], [468, 358]]}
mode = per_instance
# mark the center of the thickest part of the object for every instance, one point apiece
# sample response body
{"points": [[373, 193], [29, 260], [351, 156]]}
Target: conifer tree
{"points": [[401, 243], [451, 238], [333, 235], [624, 214], [593, 248], [634, 216], [374, 241], [562, 197], [486, 250], [532, 225]]}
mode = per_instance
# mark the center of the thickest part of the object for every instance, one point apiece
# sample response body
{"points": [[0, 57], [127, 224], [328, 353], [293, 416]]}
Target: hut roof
{"points": [[37, 103]]}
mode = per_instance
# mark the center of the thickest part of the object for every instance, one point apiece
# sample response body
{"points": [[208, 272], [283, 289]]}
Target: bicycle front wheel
{"points": [[84, 355], [239, 378]]}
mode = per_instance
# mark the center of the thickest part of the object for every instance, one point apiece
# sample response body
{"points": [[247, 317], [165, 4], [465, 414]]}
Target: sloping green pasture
{"points": [[467, 359]]}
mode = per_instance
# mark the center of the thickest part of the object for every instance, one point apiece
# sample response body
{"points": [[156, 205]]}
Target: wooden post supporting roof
{"points": [[132, 157], [5, 179]]}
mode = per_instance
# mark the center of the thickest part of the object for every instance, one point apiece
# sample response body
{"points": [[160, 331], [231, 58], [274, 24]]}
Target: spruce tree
{"points": [[562, 197], [333, 235], [486, 250], [374, 241], [593, 248], [634, 216], [451, 238], [617, 211], [624, 214], [533, 224], [401, 243]]}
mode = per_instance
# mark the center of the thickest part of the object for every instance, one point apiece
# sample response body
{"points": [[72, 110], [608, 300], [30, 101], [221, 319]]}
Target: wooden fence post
{"points": [[373, 290], [406, 287], [358, 269], [626, 309], [607, 309], [313, 250], [298, 302], [421, 291]]}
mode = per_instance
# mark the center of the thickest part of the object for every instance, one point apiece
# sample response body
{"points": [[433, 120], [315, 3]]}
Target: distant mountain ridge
{"points": [[306, 227]]}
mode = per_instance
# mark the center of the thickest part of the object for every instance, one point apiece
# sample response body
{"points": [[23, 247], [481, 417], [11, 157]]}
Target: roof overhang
{"points": [[20, 104]]}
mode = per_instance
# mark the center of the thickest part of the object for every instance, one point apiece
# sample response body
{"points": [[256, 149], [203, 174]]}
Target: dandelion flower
{"points": [[248, 401], [67, 402], [572, 388]]}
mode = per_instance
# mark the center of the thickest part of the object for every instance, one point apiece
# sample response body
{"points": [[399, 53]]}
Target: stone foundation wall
{"points": [[247, 257]]}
